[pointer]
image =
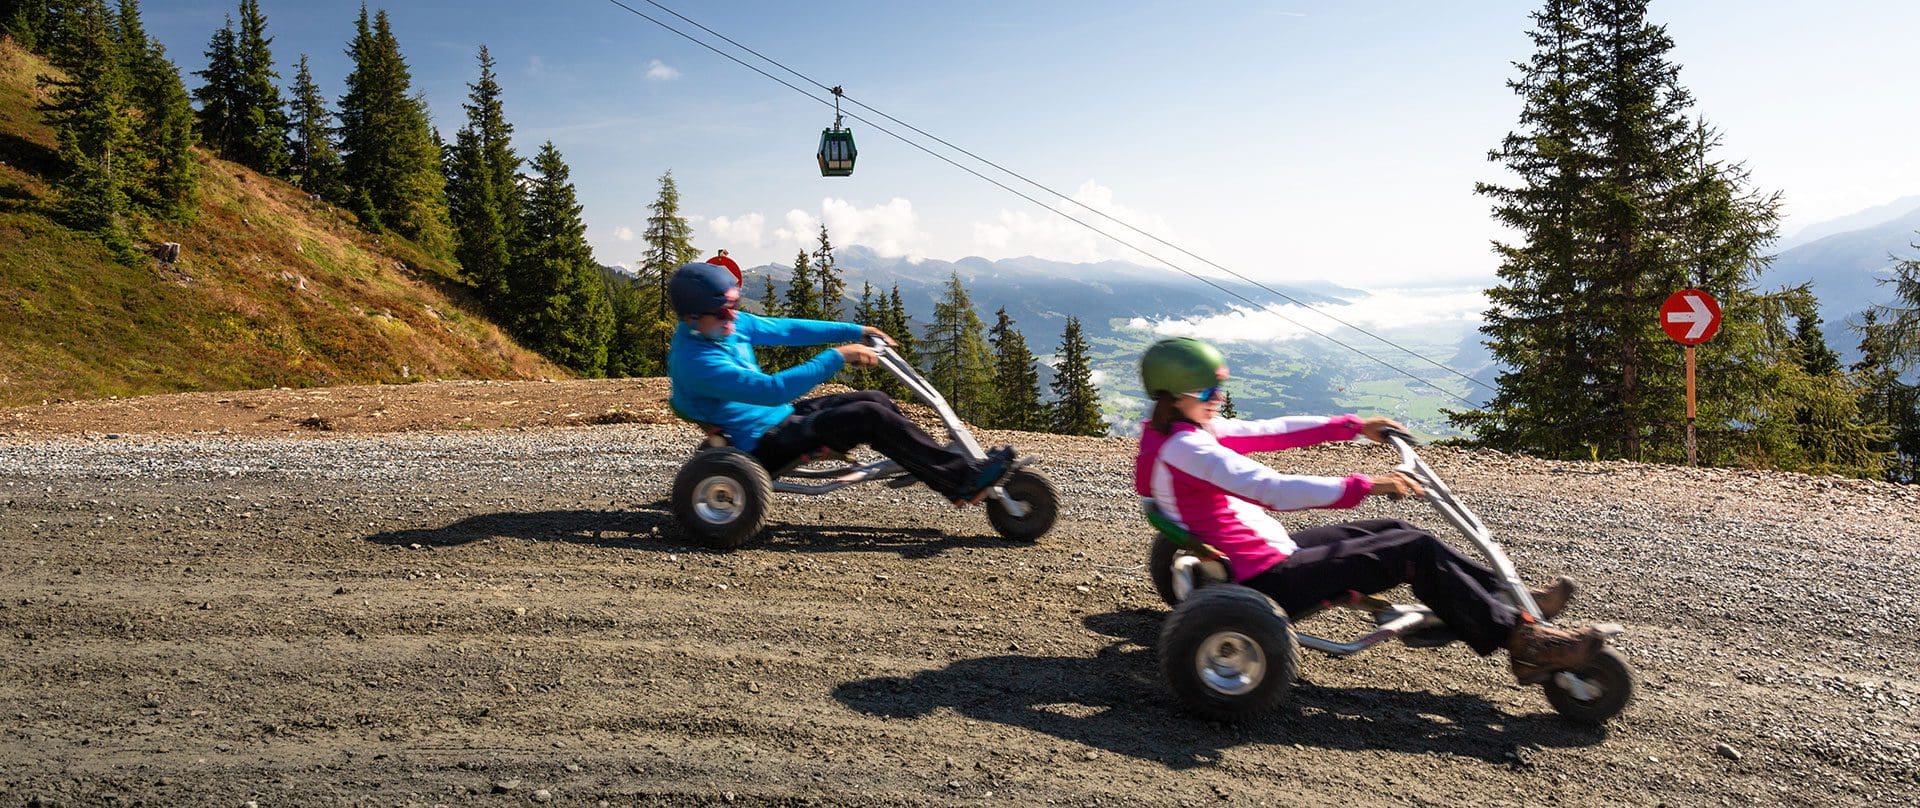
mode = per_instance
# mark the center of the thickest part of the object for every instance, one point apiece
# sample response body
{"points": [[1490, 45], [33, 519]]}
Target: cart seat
{"points": [[1179, 535], [715, 436]]}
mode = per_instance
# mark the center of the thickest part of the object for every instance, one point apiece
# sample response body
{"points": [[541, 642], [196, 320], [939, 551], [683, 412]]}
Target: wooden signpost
{"points": [[1690, 317]]}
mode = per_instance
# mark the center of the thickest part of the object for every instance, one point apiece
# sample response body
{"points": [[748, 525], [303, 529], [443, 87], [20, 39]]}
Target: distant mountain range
{"points": [[1118, 302], [1845, 265], [1124, 307]]}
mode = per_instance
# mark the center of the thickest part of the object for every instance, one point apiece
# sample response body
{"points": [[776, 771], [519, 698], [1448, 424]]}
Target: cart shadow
{"points": [[1115, 701], [652, 526]]}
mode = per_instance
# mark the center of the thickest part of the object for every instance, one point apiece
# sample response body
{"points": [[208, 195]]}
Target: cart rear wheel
{"points": [[1229, 653], [1160, 568], [1037, 496], [721, 497], [1600, 690]]}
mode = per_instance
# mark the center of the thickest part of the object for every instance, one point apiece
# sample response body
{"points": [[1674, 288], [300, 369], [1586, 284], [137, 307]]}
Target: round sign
{"points": [[1690, 316]]}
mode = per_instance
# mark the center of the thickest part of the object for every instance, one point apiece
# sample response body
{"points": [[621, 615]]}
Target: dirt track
{"points": [[497, 617]]}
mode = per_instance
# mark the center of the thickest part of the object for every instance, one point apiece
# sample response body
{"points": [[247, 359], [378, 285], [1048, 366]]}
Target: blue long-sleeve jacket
{"points": [[719, 382]]}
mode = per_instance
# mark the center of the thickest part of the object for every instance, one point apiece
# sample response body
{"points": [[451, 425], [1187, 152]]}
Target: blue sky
{"points": [[1285, 140]]}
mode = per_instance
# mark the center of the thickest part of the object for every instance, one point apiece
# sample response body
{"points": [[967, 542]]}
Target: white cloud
{"points": [[1405, 311], [734, 233], [1014, 233], [661, 71], [623, 233], [889, 229]]}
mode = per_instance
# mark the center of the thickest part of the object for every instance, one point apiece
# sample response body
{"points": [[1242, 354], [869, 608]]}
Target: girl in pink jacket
{"points": [[1193, 468]]}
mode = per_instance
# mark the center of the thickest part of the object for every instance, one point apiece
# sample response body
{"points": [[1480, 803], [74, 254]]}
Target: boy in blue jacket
{"points": [[717, 381]]}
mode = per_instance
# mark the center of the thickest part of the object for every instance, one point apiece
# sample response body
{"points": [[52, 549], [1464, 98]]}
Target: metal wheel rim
{"points": [[719, 500], [1582, 686], [1231, 663]]}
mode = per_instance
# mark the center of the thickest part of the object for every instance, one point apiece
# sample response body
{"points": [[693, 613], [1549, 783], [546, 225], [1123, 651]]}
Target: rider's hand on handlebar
{"points": [[1396, 485], [867, 331], [1375, 428], [858, 355]]}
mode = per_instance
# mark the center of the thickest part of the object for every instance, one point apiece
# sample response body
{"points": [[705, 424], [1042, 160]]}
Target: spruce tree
{"points": [[161, 172], [1888, 399], [315, 164], [480, 209], [629, 349], [1076, 404], [825, 273], [870, 310], [770, 299], [1227, 410], [86, 111], [669, 241], [898, 324], [1618, 204], [565, 313], [958, 363], [24, 20], [220, 93], [387, 143], [803, 298], [1016, 382], [260, 115]]}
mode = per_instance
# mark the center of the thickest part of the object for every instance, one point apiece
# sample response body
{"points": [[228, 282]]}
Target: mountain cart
{"points": [[722, 495], [1230, 653]]}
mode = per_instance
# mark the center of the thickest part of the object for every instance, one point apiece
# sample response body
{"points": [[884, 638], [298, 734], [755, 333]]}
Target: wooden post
{"points": [[1693, 457]]}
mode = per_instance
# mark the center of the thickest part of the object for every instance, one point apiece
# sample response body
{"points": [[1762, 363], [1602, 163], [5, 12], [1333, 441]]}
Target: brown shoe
{"points": [[1538, 651], [1554, 597]]}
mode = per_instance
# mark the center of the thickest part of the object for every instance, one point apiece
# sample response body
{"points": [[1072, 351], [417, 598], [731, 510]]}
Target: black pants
{"points": [[1376, 555], [845, 420]]}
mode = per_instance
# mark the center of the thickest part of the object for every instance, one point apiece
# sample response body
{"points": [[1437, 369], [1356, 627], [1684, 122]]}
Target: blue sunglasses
{"points": [[1208, 394]]}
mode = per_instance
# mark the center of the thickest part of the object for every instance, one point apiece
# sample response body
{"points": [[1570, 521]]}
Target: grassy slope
{"points": [[272, 290]]}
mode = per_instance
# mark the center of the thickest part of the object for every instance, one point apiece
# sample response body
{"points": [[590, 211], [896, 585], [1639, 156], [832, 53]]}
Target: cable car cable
{"points": [[943, 158], [1043, 187]]}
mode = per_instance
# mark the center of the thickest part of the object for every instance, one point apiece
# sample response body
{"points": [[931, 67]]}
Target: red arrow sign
{"points": [[1690, 316]]}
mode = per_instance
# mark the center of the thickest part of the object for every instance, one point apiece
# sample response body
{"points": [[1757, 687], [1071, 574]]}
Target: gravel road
{"points": [[510, 617]]}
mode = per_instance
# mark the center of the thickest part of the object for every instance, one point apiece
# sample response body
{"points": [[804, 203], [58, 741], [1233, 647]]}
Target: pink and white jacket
{"points": [[1200, 479]]}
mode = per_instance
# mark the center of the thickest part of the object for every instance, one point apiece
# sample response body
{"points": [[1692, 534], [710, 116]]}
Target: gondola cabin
{"points": [[836, 152]]}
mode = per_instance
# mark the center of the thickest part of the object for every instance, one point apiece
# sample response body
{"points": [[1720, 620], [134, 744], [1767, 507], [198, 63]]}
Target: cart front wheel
{"points": [[1037, 499], [1593, 693]]}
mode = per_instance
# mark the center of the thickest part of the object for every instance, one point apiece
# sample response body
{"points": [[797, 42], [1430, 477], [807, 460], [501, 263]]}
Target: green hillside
{"points": [[272, 289]]}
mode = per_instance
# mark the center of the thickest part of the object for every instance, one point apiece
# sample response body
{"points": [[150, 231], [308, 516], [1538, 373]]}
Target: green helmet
{"points": [[1181, 365]]}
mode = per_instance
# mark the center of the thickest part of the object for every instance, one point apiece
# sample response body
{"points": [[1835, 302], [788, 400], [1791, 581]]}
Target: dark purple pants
{"points": [[845, 420], [1376, 555]]}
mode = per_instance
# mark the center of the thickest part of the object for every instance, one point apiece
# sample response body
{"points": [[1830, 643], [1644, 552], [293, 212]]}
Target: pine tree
{"points": [[259, 113], [479, 208], [628, 352], [1618, 205], [1890, 346], [387, 143], [898, 324], [565, 313], [669, 246], [1016, 382], [870, 310], [314, 164], [832, 287], [161, 172], [803, 298], [958, 362], [220, 92], [86, 111], [24, 20], [770, 299], [1227, 410], [1076, 404], [1887, 399]]}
